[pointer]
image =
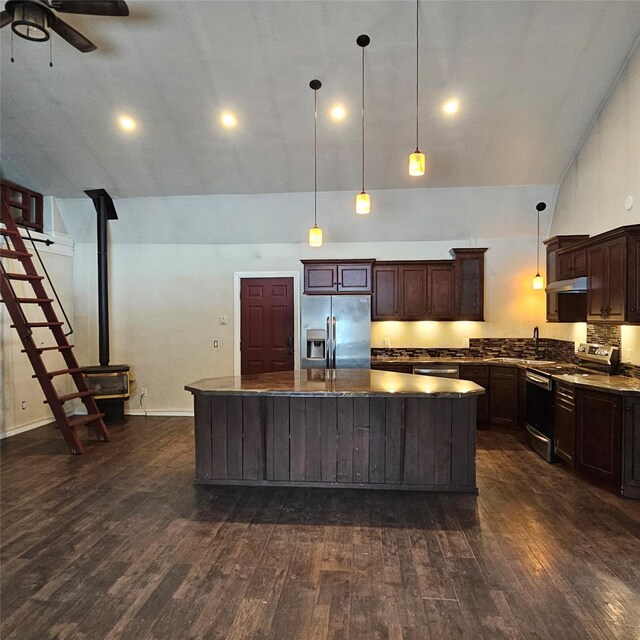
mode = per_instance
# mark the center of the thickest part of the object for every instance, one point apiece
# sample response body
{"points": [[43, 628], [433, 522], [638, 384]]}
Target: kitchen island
{"points": [[345, 427]]}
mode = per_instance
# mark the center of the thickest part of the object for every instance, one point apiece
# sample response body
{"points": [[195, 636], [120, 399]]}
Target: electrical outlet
{"points": [[465, 343], [386, 342], [143, 393], [24, 404], [216, 344]]}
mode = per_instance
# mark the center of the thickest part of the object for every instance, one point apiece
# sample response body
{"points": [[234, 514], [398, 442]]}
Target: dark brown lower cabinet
{"points": [[599, 425], [565, 422], [522, 399], [631, 448], [503, 396], [480, 375]]}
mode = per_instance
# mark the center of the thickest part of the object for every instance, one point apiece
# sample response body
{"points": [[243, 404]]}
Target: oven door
{"points": [[540, 415]]}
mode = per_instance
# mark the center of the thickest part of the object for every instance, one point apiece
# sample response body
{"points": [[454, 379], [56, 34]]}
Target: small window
{"points": [[24, 205]]}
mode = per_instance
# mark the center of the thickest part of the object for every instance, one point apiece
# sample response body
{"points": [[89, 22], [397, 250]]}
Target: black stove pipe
{"points": [[106, 211]]}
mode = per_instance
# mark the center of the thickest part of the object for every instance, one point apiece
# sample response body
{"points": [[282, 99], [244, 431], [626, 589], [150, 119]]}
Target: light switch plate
{"points": [[223, 320]]}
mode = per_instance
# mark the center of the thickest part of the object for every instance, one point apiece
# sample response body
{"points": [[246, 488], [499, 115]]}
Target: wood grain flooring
{"points": [[118, 544]]}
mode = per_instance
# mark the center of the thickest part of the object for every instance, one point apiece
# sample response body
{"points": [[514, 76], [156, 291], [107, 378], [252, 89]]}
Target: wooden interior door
{"points": [[266, 325]]}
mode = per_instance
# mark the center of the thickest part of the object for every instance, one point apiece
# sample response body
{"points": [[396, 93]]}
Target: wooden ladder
{"points": [[14, 248]]}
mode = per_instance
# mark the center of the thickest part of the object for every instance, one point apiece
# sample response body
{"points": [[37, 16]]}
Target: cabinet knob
{"points": [[632, 310]]}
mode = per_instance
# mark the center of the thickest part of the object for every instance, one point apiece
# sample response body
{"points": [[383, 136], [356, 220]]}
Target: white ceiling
{"points": [[530, 76]]}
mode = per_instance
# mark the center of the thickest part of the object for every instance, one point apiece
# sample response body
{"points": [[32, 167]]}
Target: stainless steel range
{"points": [[594, 359]]}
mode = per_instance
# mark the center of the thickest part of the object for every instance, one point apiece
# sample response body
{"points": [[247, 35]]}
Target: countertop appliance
{"points": [[336, 332], [594, 359]]}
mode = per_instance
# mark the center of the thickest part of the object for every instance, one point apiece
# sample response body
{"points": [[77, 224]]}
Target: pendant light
{"points": [[417, 162], [363, 199], [538, 280], [315, 233]]}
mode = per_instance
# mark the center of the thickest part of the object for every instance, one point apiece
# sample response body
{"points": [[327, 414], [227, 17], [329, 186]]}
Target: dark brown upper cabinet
{"points": [[386, 288], [440, 292], [412, 298], [334, 277], [564, 308], [606, 270], [572, 264], [468, 268]]}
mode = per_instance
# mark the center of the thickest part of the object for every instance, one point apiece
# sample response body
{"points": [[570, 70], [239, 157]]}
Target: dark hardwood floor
{"points": [[118, 543]]}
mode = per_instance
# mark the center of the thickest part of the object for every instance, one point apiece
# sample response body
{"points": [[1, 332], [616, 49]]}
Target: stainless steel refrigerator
{"points": [[336, 332]]}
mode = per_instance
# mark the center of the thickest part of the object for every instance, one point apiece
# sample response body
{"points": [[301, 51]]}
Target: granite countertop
{"points": [[497, 360], [339, 383], [613, 384]]}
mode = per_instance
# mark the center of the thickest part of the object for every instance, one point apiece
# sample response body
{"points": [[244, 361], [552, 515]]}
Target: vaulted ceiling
{"points": [[530, 77]]}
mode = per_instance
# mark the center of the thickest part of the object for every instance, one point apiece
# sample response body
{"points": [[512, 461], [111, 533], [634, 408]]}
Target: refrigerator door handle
{"points": [[334, 340], [328, 344]]}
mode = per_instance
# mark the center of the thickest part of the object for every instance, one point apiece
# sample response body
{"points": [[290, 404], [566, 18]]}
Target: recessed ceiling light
{"points": [[338, 113], [228, 120], [127, 123], [451, 107]]}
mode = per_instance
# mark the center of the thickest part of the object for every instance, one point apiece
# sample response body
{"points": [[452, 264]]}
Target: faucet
{"points": [[536, 336]]}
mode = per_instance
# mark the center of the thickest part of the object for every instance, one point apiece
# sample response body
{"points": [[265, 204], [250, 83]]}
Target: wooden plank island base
{"points": [[344, 428]]}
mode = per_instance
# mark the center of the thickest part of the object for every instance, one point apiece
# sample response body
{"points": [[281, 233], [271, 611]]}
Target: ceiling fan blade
{"points": [[5, 19], [73, 37], [92, 7]]}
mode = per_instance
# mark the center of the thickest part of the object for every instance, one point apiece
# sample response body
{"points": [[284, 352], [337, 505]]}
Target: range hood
{"points": [[573, 285]]}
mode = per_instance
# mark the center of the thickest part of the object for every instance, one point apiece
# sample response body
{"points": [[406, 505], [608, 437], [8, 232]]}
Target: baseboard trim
{"points": [[135, 412], [28, 427]]}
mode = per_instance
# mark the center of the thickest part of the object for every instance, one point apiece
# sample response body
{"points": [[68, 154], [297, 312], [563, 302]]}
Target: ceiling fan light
{"points": [[417, 163], [363, 203], [30, 21], [315, 236]]}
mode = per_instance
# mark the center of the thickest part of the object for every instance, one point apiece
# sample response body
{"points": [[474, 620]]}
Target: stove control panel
{"points": [[605, 354]]}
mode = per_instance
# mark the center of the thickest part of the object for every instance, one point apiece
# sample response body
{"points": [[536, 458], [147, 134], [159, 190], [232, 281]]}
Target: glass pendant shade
{"points": [[538, 282], [417, 163], [30, 22], [363, 203], [315, 236]]}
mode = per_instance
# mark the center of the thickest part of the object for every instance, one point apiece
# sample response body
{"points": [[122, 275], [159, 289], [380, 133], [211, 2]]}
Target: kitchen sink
{"points": [[518, 361]]}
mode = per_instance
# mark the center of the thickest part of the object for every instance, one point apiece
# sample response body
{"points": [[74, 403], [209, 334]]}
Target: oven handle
{"points": [[539, 381], [537, 435]]}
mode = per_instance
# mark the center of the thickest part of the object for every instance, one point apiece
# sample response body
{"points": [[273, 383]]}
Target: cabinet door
{"points": [[598, 435], [565, 267], [320, 278], [413, 292], [469, 288], [596, 274], [552, 298], [440, 293], [633, 283], [480, 375], [579, 263], [631, 448], [565, 423], [503, 399], [616, 280], [385, 292], [354, 278]]}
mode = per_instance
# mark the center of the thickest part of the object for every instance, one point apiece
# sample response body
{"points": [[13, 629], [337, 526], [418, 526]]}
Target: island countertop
{"points": [[336, 383]]}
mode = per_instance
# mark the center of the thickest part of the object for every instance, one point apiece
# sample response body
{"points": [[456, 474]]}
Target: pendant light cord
{"points": [[538, 248], [315, 159], [363, 118], [417, 67]]}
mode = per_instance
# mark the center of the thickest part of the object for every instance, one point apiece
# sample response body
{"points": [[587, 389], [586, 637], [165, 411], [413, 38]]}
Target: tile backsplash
{"points": [[604, 334]]}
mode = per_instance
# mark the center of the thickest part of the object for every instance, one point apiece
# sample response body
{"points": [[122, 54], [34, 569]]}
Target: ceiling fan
{"points": [[32, 19]]}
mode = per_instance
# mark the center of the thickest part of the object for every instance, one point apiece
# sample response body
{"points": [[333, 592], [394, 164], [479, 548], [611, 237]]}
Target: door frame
{"points": [[238, 276]]}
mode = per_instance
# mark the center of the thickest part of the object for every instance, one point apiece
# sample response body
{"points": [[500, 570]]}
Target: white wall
{"points": [[166, 301], [604, 172]]}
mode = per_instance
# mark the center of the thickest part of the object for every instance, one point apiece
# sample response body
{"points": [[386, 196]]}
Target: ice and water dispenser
{"points": [[316, 344]]}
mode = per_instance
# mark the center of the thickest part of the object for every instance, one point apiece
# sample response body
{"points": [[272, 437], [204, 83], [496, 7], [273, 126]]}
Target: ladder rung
{"points": [[73, 396], [59, 347], [10, 253], [42, 324], [34, 300], [9, 232], [82, 420], [24, 276], [60, 372]]}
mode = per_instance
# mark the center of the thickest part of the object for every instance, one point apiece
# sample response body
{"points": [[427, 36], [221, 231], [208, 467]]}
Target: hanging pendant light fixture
{"points": [[538, 280], [417, 162], [363, 199], [315, 233]]}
